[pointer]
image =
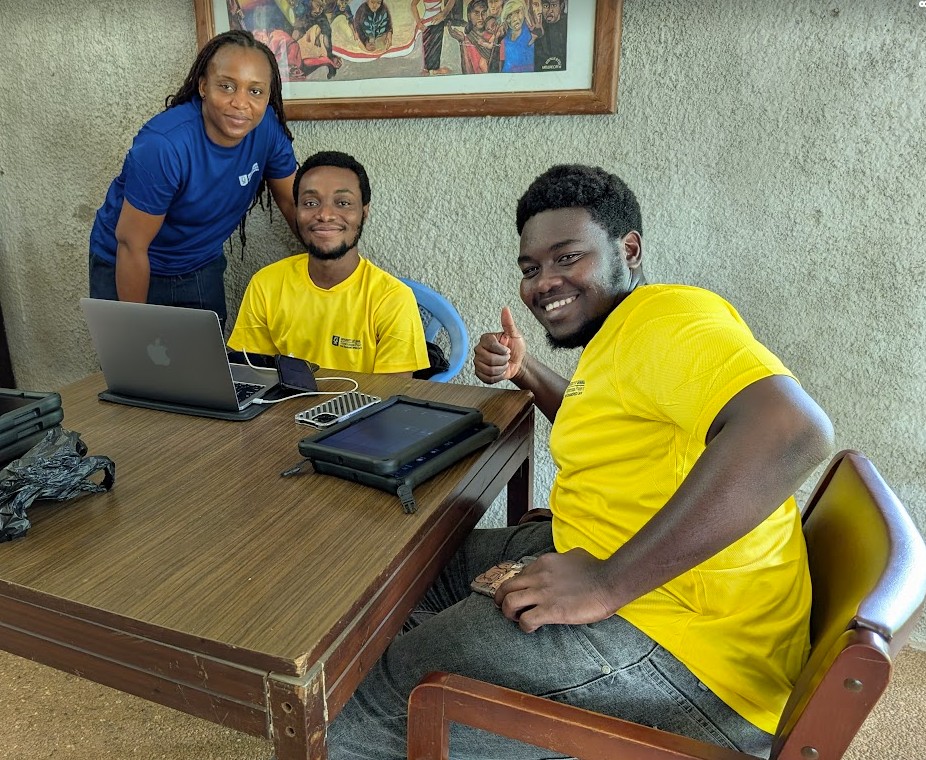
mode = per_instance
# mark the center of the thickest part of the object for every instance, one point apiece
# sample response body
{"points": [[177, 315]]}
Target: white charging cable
{"points": [[304, 393], [312, 393]]}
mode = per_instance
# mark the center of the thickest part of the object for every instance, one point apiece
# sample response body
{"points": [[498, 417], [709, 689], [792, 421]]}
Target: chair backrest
{"points": [[440, 319], [868, 572]]}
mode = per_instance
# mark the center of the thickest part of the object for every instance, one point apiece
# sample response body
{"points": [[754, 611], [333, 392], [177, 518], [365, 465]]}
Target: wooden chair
{"points": [[868, 569]]}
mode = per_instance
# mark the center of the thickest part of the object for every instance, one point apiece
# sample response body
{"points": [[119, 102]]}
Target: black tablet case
{"points": [[12, 436], [402, 481], [37, 404], [23, 427], [419, 461]]}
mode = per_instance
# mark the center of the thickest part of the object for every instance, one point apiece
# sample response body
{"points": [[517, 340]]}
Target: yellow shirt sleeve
{"points": [[400, 343], [252, 332], [714, 357]]}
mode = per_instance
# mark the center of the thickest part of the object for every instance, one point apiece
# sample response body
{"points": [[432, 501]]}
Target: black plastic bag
{"points": [[56, 468]]}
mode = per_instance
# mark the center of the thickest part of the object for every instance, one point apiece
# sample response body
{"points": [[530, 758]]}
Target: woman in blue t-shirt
{"points": [[191, 176]]}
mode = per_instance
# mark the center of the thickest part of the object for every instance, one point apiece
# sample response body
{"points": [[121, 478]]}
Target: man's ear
{"points": [[201, 88], [366, 212], [633, 249]]}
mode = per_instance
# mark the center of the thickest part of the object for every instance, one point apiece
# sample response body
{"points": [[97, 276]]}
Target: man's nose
{"points": [[325, 211], [547, 280]]}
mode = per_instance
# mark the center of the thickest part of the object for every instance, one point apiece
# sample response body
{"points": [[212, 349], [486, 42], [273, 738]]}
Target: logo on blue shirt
{"points": [[243, 179]]}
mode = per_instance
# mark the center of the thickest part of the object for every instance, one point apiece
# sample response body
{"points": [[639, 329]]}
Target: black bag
{"points": [[438, 361], [56, 468]]}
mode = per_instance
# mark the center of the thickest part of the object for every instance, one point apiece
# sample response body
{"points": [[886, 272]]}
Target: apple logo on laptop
{"points": [[157, 352]]}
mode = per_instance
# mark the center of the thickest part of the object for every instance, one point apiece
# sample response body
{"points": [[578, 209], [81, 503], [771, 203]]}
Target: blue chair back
{"points": [[439, 317]]}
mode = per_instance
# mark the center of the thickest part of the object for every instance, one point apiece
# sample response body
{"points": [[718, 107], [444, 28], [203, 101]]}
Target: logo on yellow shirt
{"points": [[352, 343], [575, 388]]}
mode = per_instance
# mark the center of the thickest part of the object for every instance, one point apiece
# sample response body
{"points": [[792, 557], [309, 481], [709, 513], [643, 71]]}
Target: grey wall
{"points": [[778, 148]]}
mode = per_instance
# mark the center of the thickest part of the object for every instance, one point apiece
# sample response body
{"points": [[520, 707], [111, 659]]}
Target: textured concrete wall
{"points": [[777, 148]]}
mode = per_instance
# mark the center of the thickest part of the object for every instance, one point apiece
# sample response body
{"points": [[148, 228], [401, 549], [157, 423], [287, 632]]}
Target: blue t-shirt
{"points": [[519, 53], [203, 189]]}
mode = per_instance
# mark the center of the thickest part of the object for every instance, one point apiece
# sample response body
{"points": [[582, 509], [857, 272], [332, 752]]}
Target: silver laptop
{"points": [[170, 354]]}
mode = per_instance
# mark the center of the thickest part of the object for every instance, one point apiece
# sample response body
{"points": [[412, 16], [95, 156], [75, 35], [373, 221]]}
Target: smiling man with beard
{"points": [[669, 584], [330, 305]]}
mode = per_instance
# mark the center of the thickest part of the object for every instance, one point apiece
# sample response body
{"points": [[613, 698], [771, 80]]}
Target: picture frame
{"points": [[587, 83]]}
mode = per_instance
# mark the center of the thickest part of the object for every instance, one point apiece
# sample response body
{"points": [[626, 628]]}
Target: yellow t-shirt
{"points": [[368, 323], [631, 426]]}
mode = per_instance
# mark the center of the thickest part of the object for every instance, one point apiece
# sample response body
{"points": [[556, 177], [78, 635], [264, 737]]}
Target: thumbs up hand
{"points": [[500, 355]]}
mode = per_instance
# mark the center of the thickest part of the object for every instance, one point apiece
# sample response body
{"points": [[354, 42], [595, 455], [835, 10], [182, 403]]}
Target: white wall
{"points": [[778, 149]]}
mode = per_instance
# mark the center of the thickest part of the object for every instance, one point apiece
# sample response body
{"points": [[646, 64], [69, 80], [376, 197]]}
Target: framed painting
{"points": [[375, 59]]}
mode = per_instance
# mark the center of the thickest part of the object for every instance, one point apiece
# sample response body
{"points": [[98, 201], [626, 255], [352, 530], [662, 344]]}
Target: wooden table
{"points": [[206, 582]]}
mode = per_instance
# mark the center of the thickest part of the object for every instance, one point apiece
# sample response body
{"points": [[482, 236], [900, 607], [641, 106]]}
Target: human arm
{"points": [[134, 232], [760, 447], [282, 192], [419, 23], [445, 11], [503, 356]]}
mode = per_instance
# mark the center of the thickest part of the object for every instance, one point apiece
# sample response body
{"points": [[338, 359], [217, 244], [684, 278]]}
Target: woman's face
{"points": [[235, 93]]}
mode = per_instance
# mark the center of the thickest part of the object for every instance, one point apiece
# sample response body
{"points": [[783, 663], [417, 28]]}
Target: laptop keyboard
{"points": [[244, 391]]}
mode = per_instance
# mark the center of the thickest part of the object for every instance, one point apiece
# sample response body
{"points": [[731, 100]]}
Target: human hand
{"points": [[500, 356], [568, 588]]}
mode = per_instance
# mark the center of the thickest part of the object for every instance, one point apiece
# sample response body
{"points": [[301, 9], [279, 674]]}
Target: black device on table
{"points": [[24, 418], [296, 374], [398, 443]]}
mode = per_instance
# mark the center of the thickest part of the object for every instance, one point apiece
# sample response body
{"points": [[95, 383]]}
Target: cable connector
{"points": [[296, 469], [408, 500]]}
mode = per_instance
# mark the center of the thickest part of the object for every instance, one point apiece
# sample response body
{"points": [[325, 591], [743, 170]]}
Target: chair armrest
{"points": [[442, 698]]}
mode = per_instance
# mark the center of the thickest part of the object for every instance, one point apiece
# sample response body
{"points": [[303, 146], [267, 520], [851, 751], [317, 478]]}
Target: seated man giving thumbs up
{"points": [[670, 587]]}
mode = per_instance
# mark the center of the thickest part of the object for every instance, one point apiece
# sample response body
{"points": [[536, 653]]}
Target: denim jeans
{"points": [[609, 667], [203, 288]]}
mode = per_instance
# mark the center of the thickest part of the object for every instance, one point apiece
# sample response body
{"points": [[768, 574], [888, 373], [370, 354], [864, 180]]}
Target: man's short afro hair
{"points": [[339, 160], [605, 196]]}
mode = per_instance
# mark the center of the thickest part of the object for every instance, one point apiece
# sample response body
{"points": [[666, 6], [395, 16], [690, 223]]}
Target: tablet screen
{"points": [[387, 432]]}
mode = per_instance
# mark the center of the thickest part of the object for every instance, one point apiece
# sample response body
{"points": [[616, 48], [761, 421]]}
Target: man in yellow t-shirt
{"points": [[670, 586], [330, 305]]}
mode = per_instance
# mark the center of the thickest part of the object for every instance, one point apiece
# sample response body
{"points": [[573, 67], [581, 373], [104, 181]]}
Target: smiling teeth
{"points": [[559, 304]]}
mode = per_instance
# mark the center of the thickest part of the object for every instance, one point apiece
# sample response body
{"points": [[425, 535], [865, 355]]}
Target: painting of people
{"points": [[325, 40]]}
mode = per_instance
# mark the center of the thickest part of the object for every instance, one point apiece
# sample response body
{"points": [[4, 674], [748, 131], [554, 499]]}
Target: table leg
{"points": [[521, 485], [298, 716]]}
